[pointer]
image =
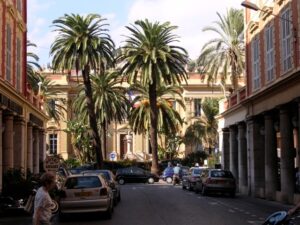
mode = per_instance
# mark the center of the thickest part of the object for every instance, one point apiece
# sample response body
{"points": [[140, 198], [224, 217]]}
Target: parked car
{"points": [[167, 175], [135, 175], [216, 180], [86, 193], [193, 175], [110, 177]]}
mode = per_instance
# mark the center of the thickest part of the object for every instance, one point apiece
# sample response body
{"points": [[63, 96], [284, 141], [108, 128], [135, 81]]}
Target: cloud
{"points": [[190, 18]]}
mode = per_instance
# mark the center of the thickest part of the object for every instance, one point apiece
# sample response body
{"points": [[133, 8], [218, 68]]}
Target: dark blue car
{"points": [[167, 175]]}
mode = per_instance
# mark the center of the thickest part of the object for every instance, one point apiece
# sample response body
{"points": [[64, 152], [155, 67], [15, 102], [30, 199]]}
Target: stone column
{"points": [[242, 155], [1, 148], [8, 142], [36, 161], [298, 135], [225, 149], [256, 159], [233, 151], [19, 143], [271, 165], [287, 156], [29, 147], [42, 145]]}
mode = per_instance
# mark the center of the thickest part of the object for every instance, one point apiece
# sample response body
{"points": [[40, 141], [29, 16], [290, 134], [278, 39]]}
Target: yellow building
{"points": [[22, 122], [121, 140]]}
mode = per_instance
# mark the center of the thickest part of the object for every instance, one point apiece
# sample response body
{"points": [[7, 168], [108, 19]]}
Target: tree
{"points": [[111, 103], [148, 57], [83, 43], [168, 121], [31, 67], [54, 106], [204, 131], [80, 140], [225, 54], [40, 84]]}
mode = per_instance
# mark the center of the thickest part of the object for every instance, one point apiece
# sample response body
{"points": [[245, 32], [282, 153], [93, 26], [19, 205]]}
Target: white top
{"points": [[43, 200]]}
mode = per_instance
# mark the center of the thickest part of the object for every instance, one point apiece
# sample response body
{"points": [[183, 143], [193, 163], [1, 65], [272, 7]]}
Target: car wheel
{"points": [[121, 181], [169, 180], [232, 194], [189, 187], [151, 180], [203, 191]]}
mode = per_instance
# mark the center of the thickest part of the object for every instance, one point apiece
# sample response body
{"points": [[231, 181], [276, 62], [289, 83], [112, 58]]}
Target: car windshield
{"points": [[102, 172], [197, 171], [221, 173], [105, 174], [169, 169], [83, 182]]}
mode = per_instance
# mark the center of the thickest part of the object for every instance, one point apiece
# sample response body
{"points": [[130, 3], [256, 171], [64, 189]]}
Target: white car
{"points": [[83, 193]]}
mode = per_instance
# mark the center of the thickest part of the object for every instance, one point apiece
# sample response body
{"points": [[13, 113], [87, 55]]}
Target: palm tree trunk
{"points": [[153, 125], [92, 115], [103, 125]]}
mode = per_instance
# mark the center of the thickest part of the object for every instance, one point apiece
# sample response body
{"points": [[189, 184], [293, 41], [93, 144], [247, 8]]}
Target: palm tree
{"points": [[148, 57], [31, 67], [169, 120], [84, 44], [53, 106], [205, 130], [225, 54], [111, 103]]}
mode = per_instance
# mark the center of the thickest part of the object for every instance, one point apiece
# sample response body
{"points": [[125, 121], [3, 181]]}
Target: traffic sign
{"points": [[112, 156], [52, 163]]}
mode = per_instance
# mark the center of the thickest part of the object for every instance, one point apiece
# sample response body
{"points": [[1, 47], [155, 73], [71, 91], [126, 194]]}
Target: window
{"points": [[286, 40], [197, 107], [8, 52], [269, 53], [255, 63], [53, 144], [18, 65]]}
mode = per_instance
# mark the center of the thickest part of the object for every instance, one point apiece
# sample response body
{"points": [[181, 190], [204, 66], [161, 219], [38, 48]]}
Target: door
{"points": [[123, 145]]}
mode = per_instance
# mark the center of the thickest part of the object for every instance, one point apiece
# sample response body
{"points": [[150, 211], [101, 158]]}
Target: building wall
{"points": [[265, 122], [196, 88], [22, 120]]}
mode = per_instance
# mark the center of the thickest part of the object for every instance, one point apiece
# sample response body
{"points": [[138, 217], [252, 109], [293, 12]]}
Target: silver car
{"points": [[110, 178], [216, 180], [83, 193]]}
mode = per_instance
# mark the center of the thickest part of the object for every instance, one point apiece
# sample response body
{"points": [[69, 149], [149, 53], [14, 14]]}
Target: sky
{"points": [[190, 16]]}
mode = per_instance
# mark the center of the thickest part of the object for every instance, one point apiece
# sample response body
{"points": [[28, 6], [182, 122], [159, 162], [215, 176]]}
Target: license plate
{"points": [[82, 194]]}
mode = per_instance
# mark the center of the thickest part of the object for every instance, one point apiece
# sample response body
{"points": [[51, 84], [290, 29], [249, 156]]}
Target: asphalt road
{"points": [[163, 204]]}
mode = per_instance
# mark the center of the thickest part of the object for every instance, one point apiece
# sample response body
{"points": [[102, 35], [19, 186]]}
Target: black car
{"points": [[135, 175]]}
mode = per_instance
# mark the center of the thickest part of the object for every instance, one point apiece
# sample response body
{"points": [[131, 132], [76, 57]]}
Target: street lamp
{"points": [[252, 6]]}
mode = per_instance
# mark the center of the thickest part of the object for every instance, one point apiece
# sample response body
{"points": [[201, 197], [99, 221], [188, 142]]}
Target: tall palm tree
{"points": [[225, 54], [83, 43], [111, 103], [149, 56]]}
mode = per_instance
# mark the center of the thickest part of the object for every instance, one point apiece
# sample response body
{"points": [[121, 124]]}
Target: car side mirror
{"points": [[112, 184]]}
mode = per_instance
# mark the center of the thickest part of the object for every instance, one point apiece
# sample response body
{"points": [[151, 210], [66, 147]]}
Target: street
{"points": [[163, 204]]}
